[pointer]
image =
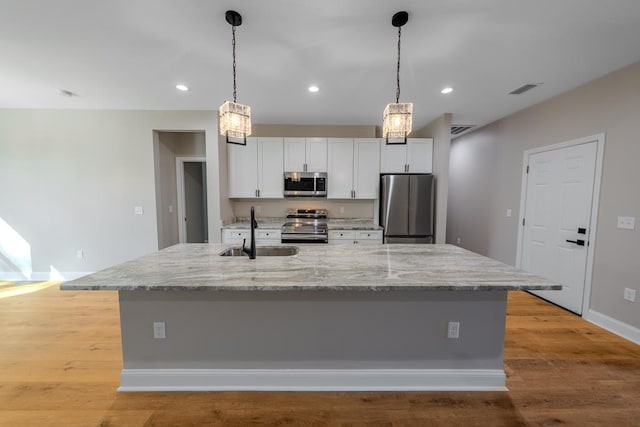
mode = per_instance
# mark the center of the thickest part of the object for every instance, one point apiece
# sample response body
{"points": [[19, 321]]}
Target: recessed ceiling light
{"points": [[313, 88], [447, 90], [182, 87]]}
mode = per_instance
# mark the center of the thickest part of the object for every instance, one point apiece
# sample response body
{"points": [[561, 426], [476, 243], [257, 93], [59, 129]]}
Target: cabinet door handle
{"points": [[258, 192]]}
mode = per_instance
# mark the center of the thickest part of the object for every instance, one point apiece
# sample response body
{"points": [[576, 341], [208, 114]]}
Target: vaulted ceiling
{"points": [[130, 54]]}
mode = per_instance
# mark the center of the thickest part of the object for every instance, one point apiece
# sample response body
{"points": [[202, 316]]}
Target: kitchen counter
{"points": [[266, 223], [346, 317], [315, 267], [332, 224], [352, 224]]}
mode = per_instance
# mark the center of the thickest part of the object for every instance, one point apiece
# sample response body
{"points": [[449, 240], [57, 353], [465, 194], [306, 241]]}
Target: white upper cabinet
{"points": [[340, 173], [305, 154], [270, 168], [353, 168], [256, 170], [366, 168], [414, 157], [242, 168]]}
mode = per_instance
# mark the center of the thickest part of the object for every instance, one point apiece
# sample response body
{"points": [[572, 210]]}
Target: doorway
{"points": [[558, 216], [191, 175]]}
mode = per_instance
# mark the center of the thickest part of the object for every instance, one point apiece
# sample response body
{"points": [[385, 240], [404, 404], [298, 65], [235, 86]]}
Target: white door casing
{"points": [[559, 207]]}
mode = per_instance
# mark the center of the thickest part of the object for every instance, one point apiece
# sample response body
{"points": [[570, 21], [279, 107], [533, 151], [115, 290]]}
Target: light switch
{"points": [[170, 208], [627, 222], [138, 210], [508, 214]]}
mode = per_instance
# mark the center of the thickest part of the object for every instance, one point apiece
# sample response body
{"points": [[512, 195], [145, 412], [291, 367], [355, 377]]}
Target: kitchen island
{"points": [[328, 318]]}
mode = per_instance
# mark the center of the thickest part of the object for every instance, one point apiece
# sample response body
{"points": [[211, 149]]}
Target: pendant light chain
{"points": [[233, 45], [234, 120], [398, 71]]}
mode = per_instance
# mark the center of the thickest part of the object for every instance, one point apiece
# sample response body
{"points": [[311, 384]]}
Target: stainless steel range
{"points": [[305, 226]]}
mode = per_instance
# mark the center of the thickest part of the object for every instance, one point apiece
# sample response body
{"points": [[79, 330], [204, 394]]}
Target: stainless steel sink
{"points": [[263, 251]]}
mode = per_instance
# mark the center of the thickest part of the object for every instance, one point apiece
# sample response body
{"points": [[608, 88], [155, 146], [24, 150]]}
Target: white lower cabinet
{"points": [[357, 237], [234, 237], [263, 236], [268, 237]]}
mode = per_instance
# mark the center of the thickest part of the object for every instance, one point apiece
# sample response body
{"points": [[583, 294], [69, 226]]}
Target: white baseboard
{"points": [[42, 276], [612, 325], [312, 379]]}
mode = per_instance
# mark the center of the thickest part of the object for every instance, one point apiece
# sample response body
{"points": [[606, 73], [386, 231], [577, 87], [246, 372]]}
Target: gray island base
{"points": [[329, 318]]}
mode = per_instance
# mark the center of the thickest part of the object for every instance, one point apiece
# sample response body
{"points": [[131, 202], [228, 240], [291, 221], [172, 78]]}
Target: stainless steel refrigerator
{"points": [[407, 208]]}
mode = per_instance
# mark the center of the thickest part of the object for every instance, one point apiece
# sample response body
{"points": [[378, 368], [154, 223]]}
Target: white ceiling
{"points": [[129, 54]]}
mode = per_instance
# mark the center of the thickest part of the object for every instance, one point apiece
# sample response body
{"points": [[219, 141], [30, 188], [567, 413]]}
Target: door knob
{"points": [[578, 242]]}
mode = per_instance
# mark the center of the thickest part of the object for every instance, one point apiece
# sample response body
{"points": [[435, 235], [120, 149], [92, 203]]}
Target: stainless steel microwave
{"points": [[305, 184]]}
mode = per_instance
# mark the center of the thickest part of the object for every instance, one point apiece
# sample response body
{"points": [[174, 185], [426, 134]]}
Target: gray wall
{"points": [[485, 179], [71, 179], [440, 131]]}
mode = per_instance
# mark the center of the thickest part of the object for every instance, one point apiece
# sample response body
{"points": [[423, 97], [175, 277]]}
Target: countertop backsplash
{"points": [[274, 208]]}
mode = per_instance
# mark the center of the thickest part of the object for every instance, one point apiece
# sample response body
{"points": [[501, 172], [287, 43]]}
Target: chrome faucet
{"points": [[252, 250]]}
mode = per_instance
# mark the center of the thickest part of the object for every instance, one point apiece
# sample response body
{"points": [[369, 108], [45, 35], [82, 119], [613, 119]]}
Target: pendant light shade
{"points": [[235, 121], [397, 119], [397, 122], [235, 118]]}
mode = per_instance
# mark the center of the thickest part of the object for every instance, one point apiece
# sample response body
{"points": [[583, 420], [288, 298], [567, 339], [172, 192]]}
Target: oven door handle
{"points": [[302, 237]]}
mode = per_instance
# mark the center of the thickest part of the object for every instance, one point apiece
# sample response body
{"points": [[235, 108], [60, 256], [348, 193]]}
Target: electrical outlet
{"points": [[159, 330], [258, 209], [170, 208], [627, 222], [453, 330], [80, 254], [630, 294], [138, 210], [458, 241], [508, 214], [341, 209]]}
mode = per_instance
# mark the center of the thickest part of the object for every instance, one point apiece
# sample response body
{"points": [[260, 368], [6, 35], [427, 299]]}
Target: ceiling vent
{"points": [[458, 129], [524, 88]]}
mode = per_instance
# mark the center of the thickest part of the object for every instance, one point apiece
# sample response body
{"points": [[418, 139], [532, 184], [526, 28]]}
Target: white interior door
{"points": [[557, 219]]}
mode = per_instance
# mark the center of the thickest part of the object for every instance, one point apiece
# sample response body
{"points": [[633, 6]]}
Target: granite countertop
{"points": [[314, 268], [352, 224], [332, 224]]}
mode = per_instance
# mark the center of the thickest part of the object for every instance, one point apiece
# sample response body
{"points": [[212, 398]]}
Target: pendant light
{"points": [[235, 119], [396, 119]]}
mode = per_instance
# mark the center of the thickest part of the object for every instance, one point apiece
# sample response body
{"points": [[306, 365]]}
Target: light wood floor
{"points": [[60, 360]]}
